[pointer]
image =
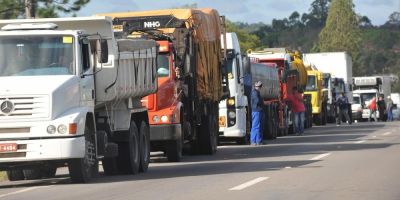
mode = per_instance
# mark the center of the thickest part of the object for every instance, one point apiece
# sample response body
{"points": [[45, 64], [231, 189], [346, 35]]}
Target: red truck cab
{"points": [[164, 106]]}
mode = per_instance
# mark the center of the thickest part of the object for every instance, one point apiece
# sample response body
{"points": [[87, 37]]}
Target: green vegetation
{"points": [[341, 32], [10, 9], [331, 25]]}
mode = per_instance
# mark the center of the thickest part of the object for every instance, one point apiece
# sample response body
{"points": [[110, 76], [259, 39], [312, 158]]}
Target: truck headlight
{"points": [[231, 114], [231, 101], [62, 129], [155, 118], [51, 129], [164, 118]]}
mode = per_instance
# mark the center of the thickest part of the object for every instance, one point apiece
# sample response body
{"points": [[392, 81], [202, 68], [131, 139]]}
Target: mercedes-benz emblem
{"points": [[6, 107]]}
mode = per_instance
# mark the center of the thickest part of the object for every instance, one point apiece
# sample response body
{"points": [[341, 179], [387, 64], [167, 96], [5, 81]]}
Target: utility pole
{"points": [[29, 9]]}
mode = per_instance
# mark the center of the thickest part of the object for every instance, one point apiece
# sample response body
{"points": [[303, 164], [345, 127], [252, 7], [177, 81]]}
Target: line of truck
{"points": [[112, 88]]}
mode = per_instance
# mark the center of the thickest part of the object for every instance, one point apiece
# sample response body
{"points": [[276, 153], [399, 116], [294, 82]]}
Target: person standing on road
{"points": [[372, 109], [381, 108], [342, 102], [389, 109], [257, 115], [298, 110]]}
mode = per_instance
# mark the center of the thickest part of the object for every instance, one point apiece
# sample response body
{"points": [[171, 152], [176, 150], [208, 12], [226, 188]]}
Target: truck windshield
{"points": [[366, 98], [163, 65], [36, 55], [311, 84], [356, 100]]}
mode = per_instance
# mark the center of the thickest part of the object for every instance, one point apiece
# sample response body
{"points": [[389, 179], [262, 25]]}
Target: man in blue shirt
{"points": [[257, 115], [342, 103]]}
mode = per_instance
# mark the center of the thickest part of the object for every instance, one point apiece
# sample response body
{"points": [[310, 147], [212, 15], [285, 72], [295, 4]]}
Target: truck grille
{"points": [[22, 107]]}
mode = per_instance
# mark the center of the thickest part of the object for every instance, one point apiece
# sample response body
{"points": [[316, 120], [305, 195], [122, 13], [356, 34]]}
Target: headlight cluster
{"points": [[231, 101], [62, 129], [163, 118]]}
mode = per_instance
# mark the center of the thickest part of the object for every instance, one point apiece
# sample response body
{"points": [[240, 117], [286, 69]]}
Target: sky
{"points": [[250, 11]]}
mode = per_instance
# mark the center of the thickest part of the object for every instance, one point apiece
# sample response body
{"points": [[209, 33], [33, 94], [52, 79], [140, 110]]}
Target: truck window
{"points": [[230, 68], [85, 57], [238, 69], [366, 98], [36, 55], [163, 65], [311, 83], [356, 100]]}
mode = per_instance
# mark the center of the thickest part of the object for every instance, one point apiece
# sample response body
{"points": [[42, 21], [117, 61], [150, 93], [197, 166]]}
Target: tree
{"points": [[39, 8], [341, 32], [318, 14], [394, 20], [247, 40], [364, 22]]}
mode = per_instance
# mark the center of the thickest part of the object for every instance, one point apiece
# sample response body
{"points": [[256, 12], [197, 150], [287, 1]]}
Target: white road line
{"points": [[22, 191], [359, 142], [387, 133], [320, 156], [249, 183]]}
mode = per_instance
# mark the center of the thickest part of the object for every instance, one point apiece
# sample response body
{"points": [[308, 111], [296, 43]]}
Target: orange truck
{"points": [[191, 76]]}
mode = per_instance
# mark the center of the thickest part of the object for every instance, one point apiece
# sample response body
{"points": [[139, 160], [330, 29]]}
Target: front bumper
{"points": [[44, 150], [165, 132], [357, 115], [237, 130]]}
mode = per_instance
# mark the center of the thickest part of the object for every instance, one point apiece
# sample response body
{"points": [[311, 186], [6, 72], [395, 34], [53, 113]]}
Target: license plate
{"points": [[8, 147], [222, 121]]}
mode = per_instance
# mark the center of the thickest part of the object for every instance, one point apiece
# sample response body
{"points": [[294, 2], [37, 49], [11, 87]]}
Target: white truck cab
{"points": [[233, 123], [71, 95]]}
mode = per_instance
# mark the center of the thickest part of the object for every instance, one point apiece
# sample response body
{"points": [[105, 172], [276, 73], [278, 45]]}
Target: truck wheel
{"points": [[110, 166], [81, 170], [128, 152], [207, 135], [174, 150], [144, 146], [33, 173], [15, 175], [246, 139], [48, 171]]}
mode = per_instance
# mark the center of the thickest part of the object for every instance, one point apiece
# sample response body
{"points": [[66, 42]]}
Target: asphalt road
{"points": [[359, 161]]}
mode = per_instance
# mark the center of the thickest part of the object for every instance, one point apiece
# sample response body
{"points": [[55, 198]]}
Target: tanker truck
{"points": [[71, 95], [189, 119], [268, 74], [291, 73]]}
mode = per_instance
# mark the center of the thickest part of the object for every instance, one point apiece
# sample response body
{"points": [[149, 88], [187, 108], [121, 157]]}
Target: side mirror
{"points": [[102, 51], [246, 65]]}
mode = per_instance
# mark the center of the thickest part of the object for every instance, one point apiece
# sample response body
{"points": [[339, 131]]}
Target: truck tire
{"points": [[207, 135], [128, 160], [246, 139], [324, 114], [82, 170], [173, 150], [15, 175], [32, 173], [144, 145], [48, 171], [110, 166]]}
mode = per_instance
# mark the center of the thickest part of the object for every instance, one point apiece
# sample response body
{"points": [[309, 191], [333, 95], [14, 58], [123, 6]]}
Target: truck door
{"points": [[86, 71]]}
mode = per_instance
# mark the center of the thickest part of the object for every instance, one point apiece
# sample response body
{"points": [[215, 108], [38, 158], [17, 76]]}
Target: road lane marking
{"points": [[359, 142], [374, 136], [387, 133], [320, 156], [22, 191], [249, 183]]}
